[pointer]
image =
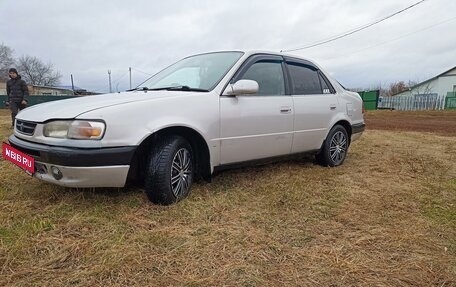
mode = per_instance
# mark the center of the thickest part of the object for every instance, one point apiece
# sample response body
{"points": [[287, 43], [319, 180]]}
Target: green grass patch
{"points": [[440, 203]]}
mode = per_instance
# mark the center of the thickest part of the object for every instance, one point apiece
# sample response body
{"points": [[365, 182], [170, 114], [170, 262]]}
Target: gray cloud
{"points": [[86, 38]]}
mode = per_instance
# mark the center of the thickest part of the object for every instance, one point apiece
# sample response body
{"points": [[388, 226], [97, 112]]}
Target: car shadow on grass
{"points": [[228, 180]]}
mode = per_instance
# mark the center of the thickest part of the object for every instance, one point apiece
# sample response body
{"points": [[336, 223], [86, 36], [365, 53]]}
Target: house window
{"points": [[454, 88]]}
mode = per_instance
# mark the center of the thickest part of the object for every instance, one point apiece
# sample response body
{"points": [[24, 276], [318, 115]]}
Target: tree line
{"points": [[33, 70]]}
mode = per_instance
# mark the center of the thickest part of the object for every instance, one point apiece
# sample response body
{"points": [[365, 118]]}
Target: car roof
{"points": [[254, 52]]}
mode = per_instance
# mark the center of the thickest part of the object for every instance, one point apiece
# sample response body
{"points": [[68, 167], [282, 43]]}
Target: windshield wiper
{"points": [[170, 88], [139, 89], [179, 88]]}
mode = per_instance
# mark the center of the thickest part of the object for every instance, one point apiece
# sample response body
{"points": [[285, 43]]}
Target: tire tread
{"points": [[157, 183]]}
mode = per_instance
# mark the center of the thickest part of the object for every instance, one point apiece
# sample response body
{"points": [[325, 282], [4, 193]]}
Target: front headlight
{"points": [[74, 129]]}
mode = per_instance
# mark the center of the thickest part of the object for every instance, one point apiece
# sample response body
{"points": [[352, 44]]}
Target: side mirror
{"points": [[241, 87]]}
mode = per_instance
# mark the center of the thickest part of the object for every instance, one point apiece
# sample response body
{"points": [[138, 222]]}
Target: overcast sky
{"points": [[86, 38]]}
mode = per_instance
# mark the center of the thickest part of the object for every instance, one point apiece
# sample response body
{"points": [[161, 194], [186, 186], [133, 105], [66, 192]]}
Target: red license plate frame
{"points": [[18, 158]]}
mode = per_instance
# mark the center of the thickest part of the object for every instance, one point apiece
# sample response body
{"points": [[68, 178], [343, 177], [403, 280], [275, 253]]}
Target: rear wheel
{"points": [[335, 147], [170, 171]]}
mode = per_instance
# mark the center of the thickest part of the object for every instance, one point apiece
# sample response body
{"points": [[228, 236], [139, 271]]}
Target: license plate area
{"points": [[18, 158]]}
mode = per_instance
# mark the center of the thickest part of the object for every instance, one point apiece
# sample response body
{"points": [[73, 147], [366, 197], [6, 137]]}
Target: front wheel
{"points": [[170, 171], [335, 148]]}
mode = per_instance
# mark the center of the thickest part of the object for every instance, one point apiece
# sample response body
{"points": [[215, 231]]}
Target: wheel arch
{"points": [[346, 125], [194, 138], [342, 122], [321, 156]]}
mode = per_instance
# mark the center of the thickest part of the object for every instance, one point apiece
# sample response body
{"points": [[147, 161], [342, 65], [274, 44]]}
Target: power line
{"points": [[117, 81], [141, 71], [350, 32], [395, 39]]}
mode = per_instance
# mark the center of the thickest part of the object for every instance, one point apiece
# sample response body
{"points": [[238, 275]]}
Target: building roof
{"points": [[426, 81], [63, 87], [433, 78]]}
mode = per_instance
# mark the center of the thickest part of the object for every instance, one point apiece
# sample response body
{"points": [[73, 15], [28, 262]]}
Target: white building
{"points": [[41, 90], [439, 85], [437, 93]]}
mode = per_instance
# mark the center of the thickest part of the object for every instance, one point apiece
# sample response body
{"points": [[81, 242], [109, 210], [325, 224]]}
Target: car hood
{"points": [[71, 108]]}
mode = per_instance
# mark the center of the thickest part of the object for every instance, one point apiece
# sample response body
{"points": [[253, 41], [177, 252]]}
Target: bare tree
{"points": [[380, 87], [396, 88], [35, 72], [6, 61]]}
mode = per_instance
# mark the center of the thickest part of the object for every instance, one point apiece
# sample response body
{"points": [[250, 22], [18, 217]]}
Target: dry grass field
{"points": [[387, 217]]}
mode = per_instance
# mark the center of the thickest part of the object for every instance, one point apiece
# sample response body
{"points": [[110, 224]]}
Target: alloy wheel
{"points": [[338, 147], [181, 172]]}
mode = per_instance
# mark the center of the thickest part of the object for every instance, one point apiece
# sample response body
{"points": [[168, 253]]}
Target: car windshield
{"points": [[195, 73]]}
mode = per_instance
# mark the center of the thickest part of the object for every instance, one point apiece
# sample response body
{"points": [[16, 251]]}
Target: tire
{"points": [[334, 148], [170, 171]]}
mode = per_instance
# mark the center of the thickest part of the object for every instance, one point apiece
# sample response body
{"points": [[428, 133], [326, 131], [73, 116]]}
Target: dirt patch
{"points": [[438, 122]]}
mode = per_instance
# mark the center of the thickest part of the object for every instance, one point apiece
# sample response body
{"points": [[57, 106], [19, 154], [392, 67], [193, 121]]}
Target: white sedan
{"points": [[203, 113]]}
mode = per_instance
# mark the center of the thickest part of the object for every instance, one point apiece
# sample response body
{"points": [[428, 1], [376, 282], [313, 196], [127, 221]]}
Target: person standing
{"points": [[17, 92]]}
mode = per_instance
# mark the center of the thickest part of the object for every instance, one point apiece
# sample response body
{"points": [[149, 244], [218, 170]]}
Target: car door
{"points": [[260, 125], [315, 104]]}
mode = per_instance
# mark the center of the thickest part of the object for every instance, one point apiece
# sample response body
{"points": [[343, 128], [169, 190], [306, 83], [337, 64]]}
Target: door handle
{"points": [[285, 110], [332, 107]]}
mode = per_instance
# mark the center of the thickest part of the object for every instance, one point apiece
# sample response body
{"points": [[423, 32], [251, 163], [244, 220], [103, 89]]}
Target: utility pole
{"points": [[72, 83], [109, 74], [129, 69]]}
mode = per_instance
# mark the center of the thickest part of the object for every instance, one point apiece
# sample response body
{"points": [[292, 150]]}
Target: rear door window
{"points": [[305, 79]]}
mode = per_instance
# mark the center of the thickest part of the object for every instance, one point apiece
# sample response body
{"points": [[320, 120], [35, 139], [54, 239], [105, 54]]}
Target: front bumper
{"points": [[99, 167]]}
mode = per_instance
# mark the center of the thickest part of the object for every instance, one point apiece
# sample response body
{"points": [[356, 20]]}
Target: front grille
{"points": [[26, 128]]}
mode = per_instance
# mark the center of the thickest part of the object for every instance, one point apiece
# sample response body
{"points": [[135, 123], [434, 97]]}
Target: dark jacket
{"points": [[17, 90]]}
